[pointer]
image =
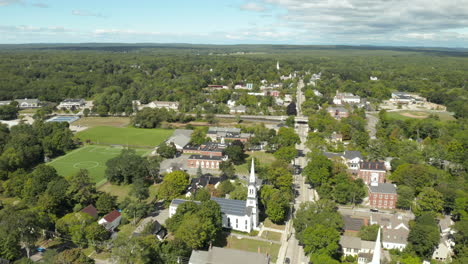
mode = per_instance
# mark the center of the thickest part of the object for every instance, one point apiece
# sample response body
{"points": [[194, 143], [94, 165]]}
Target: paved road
{"points": [[371, 123]]}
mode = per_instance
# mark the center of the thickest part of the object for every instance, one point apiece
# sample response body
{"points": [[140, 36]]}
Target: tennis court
{"points": [[69, 119]]}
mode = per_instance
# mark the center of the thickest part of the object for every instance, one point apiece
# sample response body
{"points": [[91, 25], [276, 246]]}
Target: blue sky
{"points": [[354, 22]]}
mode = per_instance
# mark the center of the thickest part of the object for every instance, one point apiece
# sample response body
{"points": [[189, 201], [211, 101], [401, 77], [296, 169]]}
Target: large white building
{"points": [[237, 214]]}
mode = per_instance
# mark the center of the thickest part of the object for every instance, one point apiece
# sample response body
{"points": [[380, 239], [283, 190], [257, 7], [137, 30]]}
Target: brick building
{"points": [[206, 149], [372, 171], [205, 162], [338, 112], [382, 195]]}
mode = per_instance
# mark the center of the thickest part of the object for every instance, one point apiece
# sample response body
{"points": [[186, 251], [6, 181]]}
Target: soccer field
{"points": [[93, 158], [125, 136]]}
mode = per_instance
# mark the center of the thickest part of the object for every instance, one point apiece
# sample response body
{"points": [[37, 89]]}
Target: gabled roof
{"points": [[356, 242], [90, 210], [383, 188], [110, 217], [351, 223], [227, 256], [180, 137], [205, 157], [228, 206], [351, 154]]}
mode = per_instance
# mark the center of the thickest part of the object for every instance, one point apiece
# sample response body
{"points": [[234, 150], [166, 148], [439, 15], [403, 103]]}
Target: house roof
{"points": [[227, 256], [351, 154], [445, 223], [351, 223], [214, 130], [336, 108], [331, 154], [356, 242], [70, 100], [228, 206], [372, 165], [180, 137], [90, 210], [29, 101], [110, 217], [398, 236], [383, 188]]}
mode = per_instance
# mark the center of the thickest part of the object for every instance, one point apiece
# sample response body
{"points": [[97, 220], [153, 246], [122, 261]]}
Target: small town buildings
{"points": [[157, 230], [353, 224], [373, 78], [111, 220], [444, 250], [236, 214], [24, 103], [206, 149], [353, 246], [395, 229], [338, 112], [336, 137], [180, 138], [71, 104], [382, 195], [204, 181], [227, 256], [346, 98], [214, 87], [226, 133], [372, 171], [248, 86], [90, 210], [156, 104], [402, 98], [205, 162]]}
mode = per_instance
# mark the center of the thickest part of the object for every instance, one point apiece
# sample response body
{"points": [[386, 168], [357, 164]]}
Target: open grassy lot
{"points": [[112, 121], [91, 157], [270, 224], [137, 137], [270, 235], [253, 246], [404, 115], [122, 191], [263, 157]]}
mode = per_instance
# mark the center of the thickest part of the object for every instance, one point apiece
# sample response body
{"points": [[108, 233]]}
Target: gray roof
{"points": [[356, 242], [180, 137], [351, 154], [227, 256], [335, 108], [29, 101], [231, 207], [383, 188], [205, 157], [331, 154], [214, 130], [351, 223], [399, 236], [228, 206]]}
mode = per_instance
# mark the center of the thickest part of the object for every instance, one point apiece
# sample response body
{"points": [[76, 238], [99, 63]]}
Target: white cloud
{"points": [[86, 13], [251, 6], [10, 2], [40, 5]]}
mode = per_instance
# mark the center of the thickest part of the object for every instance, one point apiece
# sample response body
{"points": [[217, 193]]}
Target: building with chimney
{"points": [[382, 195], [237, 214], [372, 171]]}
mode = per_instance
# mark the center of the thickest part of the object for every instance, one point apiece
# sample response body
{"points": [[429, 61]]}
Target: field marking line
{"points": [[77, 164], [66, 154]]}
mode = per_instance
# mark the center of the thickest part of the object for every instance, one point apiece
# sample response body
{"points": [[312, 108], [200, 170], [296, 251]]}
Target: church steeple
{"points": [[377, 249], [252, 178], [252, 187]]}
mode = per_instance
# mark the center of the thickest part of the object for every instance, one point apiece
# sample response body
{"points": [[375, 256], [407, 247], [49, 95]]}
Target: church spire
{"points": [[252, 173], [377, 249]]}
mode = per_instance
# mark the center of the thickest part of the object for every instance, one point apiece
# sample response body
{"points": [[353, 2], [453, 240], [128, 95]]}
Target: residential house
{"points": [[395, 229], [372, 171], [157, 230], [205, 162], [206, 149], [180, 138], [350, 158], [402, 98], [71, 104], [204, 181], [352, 246], [444, 250], [111, 220], [226, 133], [156, 104], [227, 256], [346, 98], [90, 210], [382, 195], [238, 109], [373, 78], [24, 103], [236, 214], [338, 112], [214, 87]]}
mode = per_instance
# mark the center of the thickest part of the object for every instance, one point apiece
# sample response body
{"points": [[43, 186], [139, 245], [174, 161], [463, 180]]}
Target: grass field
{"points": [[404, 115], [265, 159], [253, 246], [125, 136], [112, 121], [270, 235], [91, 157]]}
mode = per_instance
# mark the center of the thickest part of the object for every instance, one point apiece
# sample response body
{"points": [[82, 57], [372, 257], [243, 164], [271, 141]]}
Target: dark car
{"points": [[287, 261], [374, 210]]}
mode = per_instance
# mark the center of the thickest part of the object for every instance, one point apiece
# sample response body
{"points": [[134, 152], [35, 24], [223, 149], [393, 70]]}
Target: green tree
{"points": [[318, 170], [239, 193], [235, 153], [321, 240], [202, 194], [167, 150], [424, 235], [225, 187], [126, 168], [287, 137], [405, 197], [199, 136], [106, 203], [369, 233], [286, 153], [139, 189], [227, 167], [96, 234], [429, 200], [174, 183], [72, 256], [81, 189]]}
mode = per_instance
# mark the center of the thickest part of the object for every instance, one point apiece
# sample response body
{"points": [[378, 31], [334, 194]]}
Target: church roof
{"points": [[231, 207]]}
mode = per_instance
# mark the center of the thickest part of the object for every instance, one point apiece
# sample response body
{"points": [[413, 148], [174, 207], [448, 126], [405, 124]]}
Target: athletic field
{"points": [[91, 157], [125, 136]]}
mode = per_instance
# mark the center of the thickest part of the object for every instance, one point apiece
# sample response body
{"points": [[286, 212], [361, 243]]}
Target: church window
{"points": [[245, 224], [229, 222], [237, 223]]}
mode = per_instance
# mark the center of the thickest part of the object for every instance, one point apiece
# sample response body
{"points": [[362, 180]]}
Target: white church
{"points": [[237, 214]]}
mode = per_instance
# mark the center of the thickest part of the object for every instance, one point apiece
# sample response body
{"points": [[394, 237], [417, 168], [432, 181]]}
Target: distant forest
{"points": [[115, 74]]}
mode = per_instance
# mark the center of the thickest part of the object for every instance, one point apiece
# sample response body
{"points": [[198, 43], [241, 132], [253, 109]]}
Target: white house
{"points": [[237, 214], [72, 104], [444, 250], [111, 220], [346, 98], [157, 104], [395, 230], [352, 246], [24, 103]]}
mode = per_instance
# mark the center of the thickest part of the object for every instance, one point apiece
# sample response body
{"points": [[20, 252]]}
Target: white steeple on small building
{"points": [[277, 65], [252, 199], [377, 250]]}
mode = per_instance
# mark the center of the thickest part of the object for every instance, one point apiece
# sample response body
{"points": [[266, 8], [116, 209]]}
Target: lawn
{"points": [[111, 121], [254, 246], [404, 115], [136, 137], [268, 223], [122, 191], [270, 235], [263, 157], [91, 157]]}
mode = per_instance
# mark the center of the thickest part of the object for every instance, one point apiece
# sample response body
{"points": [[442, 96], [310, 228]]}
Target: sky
{"points": [[428, 23]]}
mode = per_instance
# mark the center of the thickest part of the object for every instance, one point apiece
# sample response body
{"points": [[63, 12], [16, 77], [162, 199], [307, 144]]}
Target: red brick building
{"points": [[206, 149], [372, 172], [382, 195], [205, 162], [338, 112]]}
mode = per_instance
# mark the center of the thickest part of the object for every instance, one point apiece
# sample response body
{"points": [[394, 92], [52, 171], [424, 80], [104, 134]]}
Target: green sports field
{"points": [[125, 136], [91, 157]]}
